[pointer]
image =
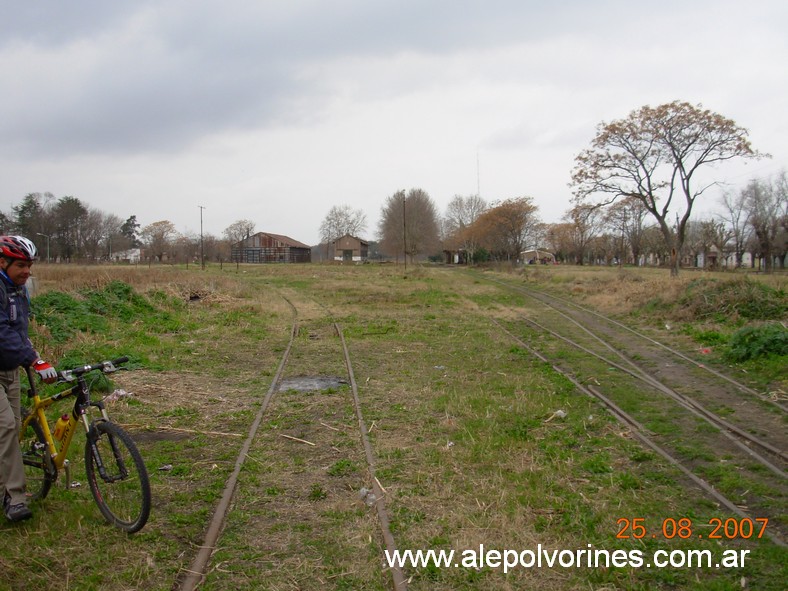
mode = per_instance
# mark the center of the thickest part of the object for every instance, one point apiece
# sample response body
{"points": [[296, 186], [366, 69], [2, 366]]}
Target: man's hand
{"points": [[45, 371]]}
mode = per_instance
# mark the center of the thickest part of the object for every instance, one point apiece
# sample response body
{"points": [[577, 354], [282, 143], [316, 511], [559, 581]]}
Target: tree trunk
{"points": [[674, 262]]}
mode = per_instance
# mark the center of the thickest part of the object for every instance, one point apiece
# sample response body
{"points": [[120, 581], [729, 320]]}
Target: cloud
{"points": [[250, 107]]}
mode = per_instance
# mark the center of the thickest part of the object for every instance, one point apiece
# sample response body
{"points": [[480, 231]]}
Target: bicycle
{"points": [[115, 470]]}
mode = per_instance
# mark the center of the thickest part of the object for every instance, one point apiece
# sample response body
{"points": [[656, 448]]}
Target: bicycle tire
{"points": [[40, 472], [122, 492]]}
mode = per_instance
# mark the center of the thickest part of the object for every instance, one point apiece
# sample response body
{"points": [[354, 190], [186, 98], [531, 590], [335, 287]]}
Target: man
{"points": [[16, 258]]}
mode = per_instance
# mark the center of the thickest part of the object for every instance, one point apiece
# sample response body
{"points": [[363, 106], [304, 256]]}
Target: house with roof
{"points": [[264, 247], [349, 248]]}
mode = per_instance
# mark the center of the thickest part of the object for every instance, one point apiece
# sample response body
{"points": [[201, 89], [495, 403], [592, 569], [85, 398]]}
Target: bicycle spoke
{"points": [[117, 477]]}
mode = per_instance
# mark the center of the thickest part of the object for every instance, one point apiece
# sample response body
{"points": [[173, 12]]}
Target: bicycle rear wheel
{"points": [[40, 471], [117, 476]]}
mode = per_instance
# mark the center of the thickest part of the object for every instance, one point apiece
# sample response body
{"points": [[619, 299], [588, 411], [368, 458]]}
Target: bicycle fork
{"points": [[93, 437]]}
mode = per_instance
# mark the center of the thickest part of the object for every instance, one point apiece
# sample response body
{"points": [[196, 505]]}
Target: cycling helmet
{"points": [[17, 247]]}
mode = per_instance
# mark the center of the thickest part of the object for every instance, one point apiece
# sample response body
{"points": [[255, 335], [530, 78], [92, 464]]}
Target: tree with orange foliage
{"points": [[509, 227]]}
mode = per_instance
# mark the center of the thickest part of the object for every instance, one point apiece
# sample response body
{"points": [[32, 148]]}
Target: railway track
{"points": [[599, 338], [318, 326], [536, 337], [565, 306]]}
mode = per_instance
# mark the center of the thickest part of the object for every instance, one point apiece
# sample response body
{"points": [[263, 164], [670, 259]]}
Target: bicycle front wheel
{"points": [[40, 471], [117, 476]]}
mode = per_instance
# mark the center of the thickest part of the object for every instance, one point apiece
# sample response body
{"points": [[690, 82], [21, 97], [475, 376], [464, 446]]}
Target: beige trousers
{"points": [[12, 471]]}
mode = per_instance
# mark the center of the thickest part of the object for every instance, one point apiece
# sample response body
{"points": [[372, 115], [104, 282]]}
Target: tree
{"points": [[409, 224], [6, 224], [766, 203], [654, 244], [239, 230], [626, 218], [341, 220], [461, 214], [30, 215], [93, 234], [70, 216], [586, 222], [714, 234], [129, 230], [735, 217], [655, 156], [159, 238], [559, 240], [510, 227], [112, 235]]}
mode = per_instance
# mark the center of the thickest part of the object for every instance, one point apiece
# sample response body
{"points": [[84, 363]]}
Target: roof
{"points": [[286, 240], [361, 240]]}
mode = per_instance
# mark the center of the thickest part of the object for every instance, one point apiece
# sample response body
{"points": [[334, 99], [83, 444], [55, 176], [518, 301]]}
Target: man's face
{"points": [[18, 271]]}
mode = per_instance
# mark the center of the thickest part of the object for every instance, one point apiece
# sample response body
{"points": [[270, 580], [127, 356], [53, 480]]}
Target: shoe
{"points": [[18, 512]]}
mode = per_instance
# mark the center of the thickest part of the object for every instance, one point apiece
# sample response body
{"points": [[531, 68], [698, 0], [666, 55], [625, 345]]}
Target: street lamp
{"points": [[47, 237]]}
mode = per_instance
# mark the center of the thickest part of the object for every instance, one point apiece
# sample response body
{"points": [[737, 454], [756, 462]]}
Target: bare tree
{"points": [[698, 241], [559, 240], [735, 217], [654, 244], [654, 155], [159, 238], [409, 224], [714, 234], [94, 234], [626, 219], [586, 222], [238, 231], [461, 214], [766, 203]]}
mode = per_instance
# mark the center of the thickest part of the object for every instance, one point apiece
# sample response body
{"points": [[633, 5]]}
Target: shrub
{"points": [[742, 298], [752, 342]]}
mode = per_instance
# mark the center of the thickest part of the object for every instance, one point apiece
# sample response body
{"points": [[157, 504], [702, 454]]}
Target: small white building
{"points": [[133, 256]]}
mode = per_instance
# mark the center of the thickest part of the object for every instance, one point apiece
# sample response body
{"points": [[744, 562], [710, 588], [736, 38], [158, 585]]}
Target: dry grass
{"points": [[621, 291], [177, 281], [457, 419]]}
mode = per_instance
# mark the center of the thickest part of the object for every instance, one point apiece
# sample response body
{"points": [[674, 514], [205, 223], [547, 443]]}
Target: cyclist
{"points": [[16, 259]]}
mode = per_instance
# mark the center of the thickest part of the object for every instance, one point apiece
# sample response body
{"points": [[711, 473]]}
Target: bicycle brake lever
{"points": [[66, 375]]}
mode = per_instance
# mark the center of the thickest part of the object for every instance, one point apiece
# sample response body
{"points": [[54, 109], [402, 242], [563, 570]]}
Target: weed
{"points": [[317, 493], [753, 342], [342, 467]]}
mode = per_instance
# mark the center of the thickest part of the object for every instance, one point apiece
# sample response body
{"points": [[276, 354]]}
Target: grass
{"points": [[459, 420]]}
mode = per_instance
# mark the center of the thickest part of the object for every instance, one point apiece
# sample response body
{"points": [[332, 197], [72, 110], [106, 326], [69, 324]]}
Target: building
{"points": [[537, 255], [132, 256], [270, 248], [349, 249]]}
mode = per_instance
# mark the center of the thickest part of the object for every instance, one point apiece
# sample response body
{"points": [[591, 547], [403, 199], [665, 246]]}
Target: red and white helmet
{"points": [[18, 247]]}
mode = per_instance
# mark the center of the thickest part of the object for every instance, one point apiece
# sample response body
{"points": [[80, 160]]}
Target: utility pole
{"points": [[202, 251], [404, 235], [47, 237]]}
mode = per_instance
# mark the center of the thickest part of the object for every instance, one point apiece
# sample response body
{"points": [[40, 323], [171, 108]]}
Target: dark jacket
{"points": [[15, 346]]}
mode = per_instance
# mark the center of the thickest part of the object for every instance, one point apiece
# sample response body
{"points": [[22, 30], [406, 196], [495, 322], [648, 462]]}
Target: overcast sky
{"points": [[277, 110]]}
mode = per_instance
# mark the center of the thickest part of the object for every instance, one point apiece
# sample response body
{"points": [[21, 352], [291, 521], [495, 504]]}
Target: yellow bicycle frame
{"points": [[38, 412]]}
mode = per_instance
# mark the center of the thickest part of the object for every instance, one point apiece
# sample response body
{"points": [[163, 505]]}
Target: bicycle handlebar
{"points": [[68, 375]]}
